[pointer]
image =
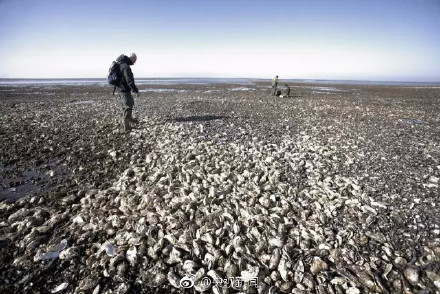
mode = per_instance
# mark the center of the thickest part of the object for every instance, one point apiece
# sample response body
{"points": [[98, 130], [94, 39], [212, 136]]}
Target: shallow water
{"points": [[83, 102], [242, 89], [162, 90], [413, 121], [14, 193]]}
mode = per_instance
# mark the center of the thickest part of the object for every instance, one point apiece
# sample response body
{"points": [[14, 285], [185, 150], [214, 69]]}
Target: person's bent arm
{"points": [[130, 80]]}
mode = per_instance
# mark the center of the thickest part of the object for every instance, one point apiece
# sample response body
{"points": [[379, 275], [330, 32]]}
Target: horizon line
{"points": [[297, 79]]}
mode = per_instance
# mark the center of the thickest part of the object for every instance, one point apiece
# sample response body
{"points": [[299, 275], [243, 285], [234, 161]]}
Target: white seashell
{"points": [[154, 278], [411, 273], [283, 268], [318, 265], [275, 276], [190, 266], [170, 238], [298, 271], [353, 290], [108, 248], [338, 281], [54, 252], [60, 287], [78, 220], [175, 256], [308, 281], [96, 290], [132, 255], [433, 179], [265, 201], [387, 270], [231, 269], [209, 260], [250, 273], [400, 262], [275, 259], [19, 214], [199, 274], [434, 277], [69, 253], [277, 242], [208, 238], [269, 159], [236, 228], [197, 248]]}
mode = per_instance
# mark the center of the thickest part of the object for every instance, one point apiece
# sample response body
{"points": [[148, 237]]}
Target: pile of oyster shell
{"points": [[200, 206]]}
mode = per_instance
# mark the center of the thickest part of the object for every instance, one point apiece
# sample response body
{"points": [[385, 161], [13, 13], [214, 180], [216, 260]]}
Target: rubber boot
{"points": [[130, 118], [133, 120], [126, 123]]}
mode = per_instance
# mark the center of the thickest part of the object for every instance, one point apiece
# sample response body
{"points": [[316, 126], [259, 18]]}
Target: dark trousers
{"points": [[274, 89], [127, 103]]}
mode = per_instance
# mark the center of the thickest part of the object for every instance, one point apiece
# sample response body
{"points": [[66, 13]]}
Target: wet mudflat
{"points": [[334, 190]]}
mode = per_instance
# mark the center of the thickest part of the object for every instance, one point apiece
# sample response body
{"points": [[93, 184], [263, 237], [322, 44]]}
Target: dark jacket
{"points": [[127, 80]]}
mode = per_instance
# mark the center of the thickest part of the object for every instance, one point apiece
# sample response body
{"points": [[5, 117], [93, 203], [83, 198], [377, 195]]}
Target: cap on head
{"points": [[133, 57]]}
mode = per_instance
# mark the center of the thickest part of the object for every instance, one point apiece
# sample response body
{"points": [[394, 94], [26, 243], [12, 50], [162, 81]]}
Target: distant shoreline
{"points": [[82, 81]]}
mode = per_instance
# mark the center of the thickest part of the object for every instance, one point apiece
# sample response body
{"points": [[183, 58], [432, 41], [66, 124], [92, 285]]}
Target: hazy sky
{"points": [[371, 39]]}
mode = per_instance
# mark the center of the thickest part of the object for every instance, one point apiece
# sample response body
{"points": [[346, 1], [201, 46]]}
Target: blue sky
{"points": [[373, 40]]}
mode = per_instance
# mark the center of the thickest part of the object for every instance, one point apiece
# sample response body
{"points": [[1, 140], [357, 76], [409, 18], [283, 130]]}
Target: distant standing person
{"points": [[274, 85], [126, 87], [287, 90]]}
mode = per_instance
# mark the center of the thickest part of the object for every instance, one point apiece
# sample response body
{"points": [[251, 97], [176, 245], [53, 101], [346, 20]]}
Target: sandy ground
{"points": [[57, 141]]}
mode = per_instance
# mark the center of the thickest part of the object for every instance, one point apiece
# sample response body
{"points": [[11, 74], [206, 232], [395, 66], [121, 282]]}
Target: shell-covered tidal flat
{"points": [[323, 192]]}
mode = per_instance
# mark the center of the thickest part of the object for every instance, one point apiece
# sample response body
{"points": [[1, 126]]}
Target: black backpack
{"points": [[114, 75]]}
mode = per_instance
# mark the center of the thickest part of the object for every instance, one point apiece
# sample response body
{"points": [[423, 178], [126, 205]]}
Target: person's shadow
{"points": [[197, 118]]}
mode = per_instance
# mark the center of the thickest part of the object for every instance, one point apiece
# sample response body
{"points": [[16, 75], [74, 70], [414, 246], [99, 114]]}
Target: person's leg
{"points": [[130, 103], [130, 111], [127, 107]]}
